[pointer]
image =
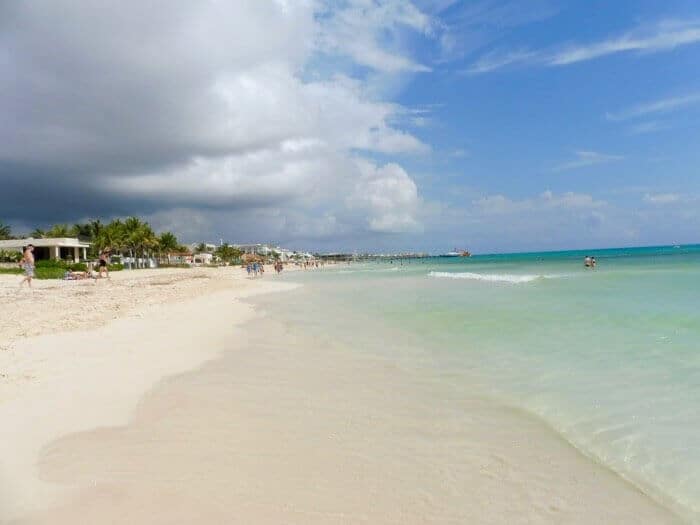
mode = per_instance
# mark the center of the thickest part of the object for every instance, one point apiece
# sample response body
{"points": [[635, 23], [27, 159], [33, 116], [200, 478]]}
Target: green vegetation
{"points": [[228, 254], [5, 231], [9, 256], [132, 237], [56, 269]]}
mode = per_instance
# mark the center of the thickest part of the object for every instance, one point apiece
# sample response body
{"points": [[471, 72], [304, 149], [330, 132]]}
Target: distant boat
{"points": [[457, 253]]}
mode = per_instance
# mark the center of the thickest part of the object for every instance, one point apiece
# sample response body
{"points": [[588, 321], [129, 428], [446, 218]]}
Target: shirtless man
{"points": [[27, 264], [104, 263]]}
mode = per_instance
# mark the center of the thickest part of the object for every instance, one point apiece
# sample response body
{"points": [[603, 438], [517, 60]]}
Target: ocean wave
{"points": [[492, 277]]}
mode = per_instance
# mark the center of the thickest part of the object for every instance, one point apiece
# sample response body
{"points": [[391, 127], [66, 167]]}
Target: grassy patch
{"points": [[49, 273], [11, 270]]}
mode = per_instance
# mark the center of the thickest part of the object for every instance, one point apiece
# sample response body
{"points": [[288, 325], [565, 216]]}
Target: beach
{"points": [[199, 395]]}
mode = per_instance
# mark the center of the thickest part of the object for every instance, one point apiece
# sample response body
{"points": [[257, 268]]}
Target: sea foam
{"points": [[491, 277]]}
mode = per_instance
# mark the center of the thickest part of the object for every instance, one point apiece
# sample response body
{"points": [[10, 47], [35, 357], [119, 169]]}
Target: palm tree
{"points": [[228, 253], [83, 230], [110, 237], [132, 236], [140, 238], [168, 242], [5, 231], [37, 233], [60, 230], [201, 247]]}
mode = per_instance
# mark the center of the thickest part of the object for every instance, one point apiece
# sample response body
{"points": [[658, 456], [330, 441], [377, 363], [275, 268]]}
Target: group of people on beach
{"points": [[28, 264], [255, 269], [589, 262]]}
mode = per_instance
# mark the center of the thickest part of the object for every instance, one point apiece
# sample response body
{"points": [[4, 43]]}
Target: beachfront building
{"points": [[60, 248], [266, 251], [179, 257], [203, 258], [255, 249]]}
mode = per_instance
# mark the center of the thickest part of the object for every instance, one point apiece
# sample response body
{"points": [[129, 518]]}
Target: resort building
{"points": [[61, 248], [203, 258], [266, 250], [178, 258]]}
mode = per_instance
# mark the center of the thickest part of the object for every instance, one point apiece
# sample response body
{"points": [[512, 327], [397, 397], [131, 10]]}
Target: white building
{"points": [[266, 250], [61, 248], [203, 258]]}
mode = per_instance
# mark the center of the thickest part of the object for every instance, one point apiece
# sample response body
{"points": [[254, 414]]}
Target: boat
{"points": [[457, 253]]}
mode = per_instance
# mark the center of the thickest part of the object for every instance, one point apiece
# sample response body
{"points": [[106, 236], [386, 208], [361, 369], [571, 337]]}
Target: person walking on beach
{"points": [[27, 264], [248, 269], [104, 255]]}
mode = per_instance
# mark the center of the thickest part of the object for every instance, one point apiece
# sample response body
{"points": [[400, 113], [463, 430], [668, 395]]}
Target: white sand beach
{"points": [[163, 397]]}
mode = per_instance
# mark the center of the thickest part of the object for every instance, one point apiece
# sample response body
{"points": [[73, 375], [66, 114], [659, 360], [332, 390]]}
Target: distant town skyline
{"points": [[357, 125]]}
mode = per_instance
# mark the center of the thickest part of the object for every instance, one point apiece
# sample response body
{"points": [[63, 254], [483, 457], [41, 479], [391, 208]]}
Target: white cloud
{"points": [[667, 35], [495, 60], [646, 127], [664, 36], [662, 198], [664, 105], [547, 200], [585, 159], [368, 32], [388, 197]]}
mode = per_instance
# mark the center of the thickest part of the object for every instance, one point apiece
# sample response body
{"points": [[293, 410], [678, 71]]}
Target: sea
{"points": [[609, 358]]}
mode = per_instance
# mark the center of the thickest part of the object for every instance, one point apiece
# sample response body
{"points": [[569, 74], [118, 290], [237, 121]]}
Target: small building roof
{"points": [[61, 242]]}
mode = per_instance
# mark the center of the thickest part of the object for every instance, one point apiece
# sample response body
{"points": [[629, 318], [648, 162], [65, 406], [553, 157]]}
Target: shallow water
{"points": [[607, 357]]}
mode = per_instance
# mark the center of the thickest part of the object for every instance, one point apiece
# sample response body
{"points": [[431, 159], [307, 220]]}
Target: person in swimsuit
{"points": [[103, 263], [27, 264]]}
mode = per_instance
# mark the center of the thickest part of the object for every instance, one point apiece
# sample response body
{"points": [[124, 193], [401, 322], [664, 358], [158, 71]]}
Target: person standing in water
{"points": [[27, 264], [587, 261]]}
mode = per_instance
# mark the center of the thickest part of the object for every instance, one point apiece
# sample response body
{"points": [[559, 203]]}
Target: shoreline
{"points": [[206, 333]]}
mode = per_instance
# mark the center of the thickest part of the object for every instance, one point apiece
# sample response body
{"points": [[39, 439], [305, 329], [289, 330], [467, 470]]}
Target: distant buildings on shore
{"points": [[267, 250]]}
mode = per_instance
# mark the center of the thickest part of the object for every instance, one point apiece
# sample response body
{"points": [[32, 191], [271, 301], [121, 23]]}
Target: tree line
{"points": [[131, 236]]}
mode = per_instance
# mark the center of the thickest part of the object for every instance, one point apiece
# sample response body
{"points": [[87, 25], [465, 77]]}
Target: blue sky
{"points": [[620, 127], [370, 125]]}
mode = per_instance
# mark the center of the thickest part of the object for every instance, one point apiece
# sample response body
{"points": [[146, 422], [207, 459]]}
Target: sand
{"points": [[178, 402]]}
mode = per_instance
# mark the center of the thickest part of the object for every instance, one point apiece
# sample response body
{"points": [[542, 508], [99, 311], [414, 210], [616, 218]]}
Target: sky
{"points": [[357, 125]]}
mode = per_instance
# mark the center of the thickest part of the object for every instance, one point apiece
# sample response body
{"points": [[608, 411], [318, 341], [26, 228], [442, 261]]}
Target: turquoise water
{"points": [[609, 358]]}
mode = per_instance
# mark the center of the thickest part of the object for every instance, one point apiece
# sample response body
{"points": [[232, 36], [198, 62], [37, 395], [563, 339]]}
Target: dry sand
{"points": [[195, 409]]}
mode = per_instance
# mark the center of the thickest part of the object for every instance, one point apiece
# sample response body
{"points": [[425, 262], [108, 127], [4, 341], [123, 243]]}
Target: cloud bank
{"points": [[178, 109]]}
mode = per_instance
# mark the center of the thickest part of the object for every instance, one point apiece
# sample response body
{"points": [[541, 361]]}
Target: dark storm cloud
{"points": [[173, 109]]}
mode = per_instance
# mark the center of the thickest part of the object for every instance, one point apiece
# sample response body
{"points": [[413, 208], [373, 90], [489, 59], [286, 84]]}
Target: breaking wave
{"points": [[492, 277]]}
